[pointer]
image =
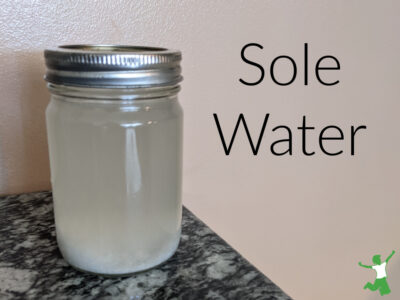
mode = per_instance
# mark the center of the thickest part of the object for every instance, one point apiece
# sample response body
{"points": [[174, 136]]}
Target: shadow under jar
{"points": [[114, 128]]}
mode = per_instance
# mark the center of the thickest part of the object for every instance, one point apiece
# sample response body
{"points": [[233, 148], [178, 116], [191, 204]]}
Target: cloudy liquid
{"points": [[116, 177]]}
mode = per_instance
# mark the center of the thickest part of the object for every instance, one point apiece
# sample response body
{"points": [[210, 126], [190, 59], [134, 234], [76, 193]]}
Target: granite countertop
{"points": [[204, 266]]}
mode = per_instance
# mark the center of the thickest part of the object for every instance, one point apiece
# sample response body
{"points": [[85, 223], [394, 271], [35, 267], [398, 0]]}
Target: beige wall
{"points": [[303, 221]]}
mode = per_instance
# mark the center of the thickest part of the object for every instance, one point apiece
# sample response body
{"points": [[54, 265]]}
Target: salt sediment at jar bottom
{"points": [[116, 258]]}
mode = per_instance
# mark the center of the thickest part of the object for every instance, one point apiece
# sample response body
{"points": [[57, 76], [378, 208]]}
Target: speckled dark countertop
{"points": [[204, 266]]}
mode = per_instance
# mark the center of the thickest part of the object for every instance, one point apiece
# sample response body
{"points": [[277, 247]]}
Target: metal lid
{"points": [[112, 66]]}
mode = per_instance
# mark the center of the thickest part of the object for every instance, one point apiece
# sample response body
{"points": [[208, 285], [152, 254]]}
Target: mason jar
{"points": [[114, 127]]}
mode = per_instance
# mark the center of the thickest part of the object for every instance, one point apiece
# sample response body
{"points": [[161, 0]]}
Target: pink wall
{"points": [[24, 160]]}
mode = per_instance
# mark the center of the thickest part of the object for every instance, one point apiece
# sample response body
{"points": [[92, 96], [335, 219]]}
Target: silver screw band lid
{"points": [[112, 66]]}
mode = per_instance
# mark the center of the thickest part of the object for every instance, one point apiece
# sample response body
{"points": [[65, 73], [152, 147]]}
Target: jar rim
{"points": [[111, 48]]}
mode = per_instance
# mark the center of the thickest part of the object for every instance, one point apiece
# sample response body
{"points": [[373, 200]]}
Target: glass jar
{"points": [[114, 128]]}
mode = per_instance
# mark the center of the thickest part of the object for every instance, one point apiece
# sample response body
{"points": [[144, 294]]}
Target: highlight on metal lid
{"points": [[118, 66]]}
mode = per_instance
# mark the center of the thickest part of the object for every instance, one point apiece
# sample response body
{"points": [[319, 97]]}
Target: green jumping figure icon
{"points": [[380, 281]]}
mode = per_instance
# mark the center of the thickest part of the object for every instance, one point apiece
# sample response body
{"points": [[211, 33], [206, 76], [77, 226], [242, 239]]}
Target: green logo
{"points": [[380, 281]]}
